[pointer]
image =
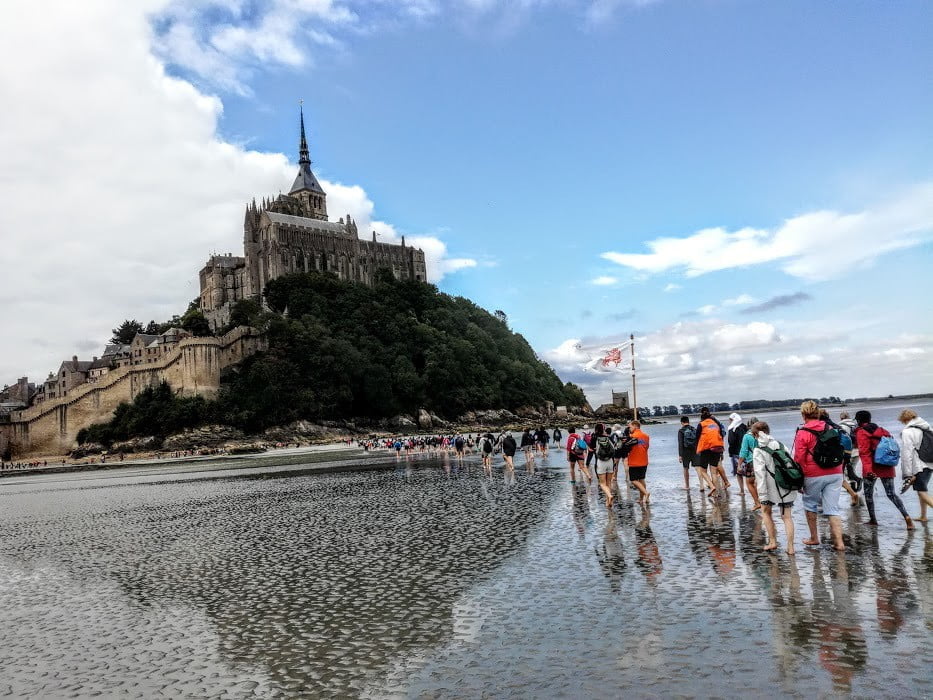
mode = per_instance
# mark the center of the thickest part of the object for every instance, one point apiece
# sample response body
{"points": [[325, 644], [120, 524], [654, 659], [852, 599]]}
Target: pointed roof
{"points": [[305, 179]]}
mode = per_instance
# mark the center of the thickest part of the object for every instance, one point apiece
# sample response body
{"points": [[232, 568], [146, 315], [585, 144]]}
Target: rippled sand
{"points": [[433, 580]]}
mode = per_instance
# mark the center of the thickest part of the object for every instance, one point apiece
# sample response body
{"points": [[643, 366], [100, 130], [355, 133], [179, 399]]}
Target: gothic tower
{"points": [[306, 188]]}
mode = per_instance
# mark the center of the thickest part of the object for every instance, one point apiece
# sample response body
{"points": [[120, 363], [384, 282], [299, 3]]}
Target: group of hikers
{"points": [[820, 463]]}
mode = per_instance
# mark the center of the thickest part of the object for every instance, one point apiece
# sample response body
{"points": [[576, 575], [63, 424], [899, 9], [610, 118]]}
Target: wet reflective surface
{"points": [[437, 580]]}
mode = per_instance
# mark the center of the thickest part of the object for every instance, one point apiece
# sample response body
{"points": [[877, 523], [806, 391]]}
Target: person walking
{"points": [[638, 461], [485, 448], [528, 445], [687, 454], [853, 481], [746, 463], [603, 449], [763, 456], [868, 436], [821, 486], [558, 438], [916, 463], [508, 450], [734, 434], [710, 448], [576, 452]]}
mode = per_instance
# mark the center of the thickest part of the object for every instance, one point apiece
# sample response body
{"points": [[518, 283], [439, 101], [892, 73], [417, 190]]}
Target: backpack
{"points": [[888, 452], [787, 473], [487, 446], [925, 451], [846, 441], [689, 436], [604, 449], [577, 447], [624, 446], [828, 453]]}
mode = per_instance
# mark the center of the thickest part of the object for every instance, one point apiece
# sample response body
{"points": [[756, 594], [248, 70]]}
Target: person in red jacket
{"points": [[638, 460], [821, 487], [867, 437]]}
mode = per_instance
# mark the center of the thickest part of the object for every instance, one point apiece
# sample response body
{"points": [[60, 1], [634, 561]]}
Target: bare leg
{"points": [[640, 485], [925, 500], [835, 527], [573, 471], [687, 479], [814, 534], [606, 486], [741, 484], [789, 528], [852, 494], [722, 475], [753, 490], [768, 522]]}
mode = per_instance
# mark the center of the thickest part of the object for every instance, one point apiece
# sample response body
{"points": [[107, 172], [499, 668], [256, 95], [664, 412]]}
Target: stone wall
{"points": [[192, 368]]}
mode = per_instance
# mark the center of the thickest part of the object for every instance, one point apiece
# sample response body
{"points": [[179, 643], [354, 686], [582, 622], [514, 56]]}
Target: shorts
{"points": [[784, 506], [822, 492], [708, 458], [922, 480], [746, 469], [508, 453], [604, 466], [573, 459], [689, 460], [637, 473]]}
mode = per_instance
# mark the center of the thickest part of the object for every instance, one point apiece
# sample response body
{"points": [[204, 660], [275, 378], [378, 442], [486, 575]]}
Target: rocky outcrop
{"points": [[206, 436], [142, 444], [86, 450], [424, 419]]}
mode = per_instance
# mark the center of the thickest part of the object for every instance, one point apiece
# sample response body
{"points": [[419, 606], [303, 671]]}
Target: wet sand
{"points": [[427, 578]]}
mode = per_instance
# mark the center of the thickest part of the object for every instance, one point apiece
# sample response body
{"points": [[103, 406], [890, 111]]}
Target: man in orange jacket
{"points": [[638, 460]]}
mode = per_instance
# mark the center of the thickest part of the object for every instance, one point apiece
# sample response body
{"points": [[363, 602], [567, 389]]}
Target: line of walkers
{"points": [[819, 464]]}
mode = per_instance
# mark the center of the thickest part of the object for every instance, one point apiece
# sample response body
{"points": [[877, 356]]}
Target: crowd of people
{"points": [[825, 458]]}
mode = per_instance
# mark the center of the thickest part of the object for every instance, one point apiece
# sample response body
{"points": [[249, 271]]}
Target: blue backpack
{"points": [[846, 441], [888, 452]]}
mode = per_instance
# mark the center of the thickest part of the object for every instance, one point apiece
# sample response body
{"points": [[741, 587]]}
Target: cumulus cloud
{"points": [[800, 243], [604, 281], [116, 185], [710, 360], [777, 302]]}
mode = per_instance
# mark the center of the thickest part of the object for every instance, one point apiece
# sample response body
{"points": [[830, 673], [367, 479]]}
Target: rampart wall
{"points": [[192, 369]]}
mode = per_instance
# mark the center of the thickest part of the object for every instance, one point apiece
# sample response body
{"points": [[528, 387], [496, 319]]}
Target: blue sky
{"points": [[532, 138]]}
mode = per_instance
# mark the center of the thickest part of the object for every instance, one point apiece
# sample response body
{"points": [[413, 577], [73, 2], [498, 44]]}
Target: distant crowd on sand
{"points": [[824, 458]]}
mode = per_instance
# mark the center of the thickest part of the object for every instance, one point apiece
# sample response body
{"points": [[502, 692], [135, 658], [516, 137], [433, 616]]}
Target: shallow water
{"points": [[438, 580]]}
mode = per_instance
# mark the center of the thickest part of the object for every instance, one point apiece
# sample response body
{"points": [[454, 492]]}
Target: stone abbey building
{"points": [[293, 234]]}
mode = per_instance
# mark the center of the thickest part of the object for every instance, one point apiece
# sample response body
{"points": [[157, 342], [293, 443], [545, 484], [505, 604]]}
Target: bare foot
{"points": [[757, 507], [790, 551], [872, 523], [811, 543], [910, 523], [769, 547], [839, 548], [712, 492], [921, 520]]}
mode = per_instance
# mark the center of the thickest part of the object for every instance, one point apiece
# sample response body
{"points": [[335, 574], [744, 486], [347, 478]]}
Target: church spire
{"points": [[304, 157], [306, 189]]}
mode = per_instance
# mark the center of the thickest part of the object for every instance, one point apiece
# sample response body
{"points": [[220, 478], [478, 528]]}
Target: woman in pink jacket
{"points": [[821, 487], [867, 437]]}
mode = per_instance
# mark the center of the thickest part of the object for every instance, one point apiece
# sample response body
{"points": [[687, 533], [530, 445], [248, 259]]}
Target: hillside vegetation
{"points": [[339, 350]]}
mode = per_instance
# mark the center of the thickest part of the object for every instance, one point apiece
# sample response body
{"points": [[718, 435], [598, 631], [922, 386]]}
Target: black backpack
{"points": [[925, 451], [604, 448], [689, 437], [828, 453]]}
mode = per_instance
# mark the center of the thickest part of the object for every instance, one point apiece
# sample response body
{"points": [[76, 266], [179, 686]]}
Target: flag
{"points": [[606, 358]]}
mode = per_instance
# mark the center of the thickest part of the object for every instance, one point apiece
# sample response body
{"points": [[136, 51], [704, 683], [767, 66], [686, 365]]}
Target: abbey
{"points": [[293, 234]]}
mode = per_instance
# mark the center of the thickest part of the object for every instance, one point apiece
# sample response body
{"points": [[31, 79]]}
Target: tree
{"points": [[126, 331], [501, 316]]}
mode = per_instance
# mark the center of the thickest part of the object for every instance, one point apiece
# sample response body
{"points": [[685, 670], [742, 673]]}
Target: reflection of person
{"points": [[842, 646], [611, 559], [896, 600], [788, 611], [649, 556]]}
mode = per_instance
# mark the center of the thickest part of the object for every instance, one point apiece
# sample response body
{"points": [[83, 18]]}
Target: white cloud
{"points": [[604, 281], [740, 300], [116, 186], [707, 309], [672, 287], [800, 243], [709, 360]]}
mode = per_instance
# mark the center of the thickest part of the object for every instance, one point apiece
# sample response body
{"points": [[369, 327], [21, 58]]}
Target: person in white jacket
{"points": [[769, 493], [915, 471]]}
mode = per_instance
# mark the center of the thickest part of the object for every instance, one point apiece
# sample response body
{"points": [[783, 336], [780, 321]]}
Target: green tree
{"points": [[126, 331]]}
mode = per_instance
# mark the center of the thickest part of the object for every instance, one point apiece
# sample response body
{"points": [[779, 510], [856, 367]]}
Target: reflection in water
{"points": [[450, 581]]}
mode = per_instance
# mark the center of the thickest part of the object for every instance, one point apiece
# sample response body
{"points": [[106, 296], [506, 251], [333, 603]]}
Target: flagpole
{"points": [[634, 394]]}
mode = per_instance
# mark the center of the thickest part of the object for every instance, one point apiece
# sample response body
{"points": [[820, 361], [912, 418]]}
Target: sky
{"points": [[746, 187]]}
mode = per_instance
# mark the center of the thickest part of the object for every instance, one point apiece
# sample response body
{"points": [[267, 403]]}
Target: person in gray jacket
{"points": [[914, 469]]}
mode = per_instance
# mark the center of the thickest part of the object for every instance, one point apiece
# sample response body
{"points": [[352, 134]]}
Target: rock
{"points": [[528, 412], [88, 448], [205, 436], [468, 417], [140, 444], [438, 421], [402, 421], [424, 419]]}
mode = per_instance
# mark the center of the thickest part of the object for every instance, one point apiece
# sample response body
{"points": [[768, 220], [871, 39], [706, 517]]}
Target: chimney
{"points": [[95, 358], [74, 358]]}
